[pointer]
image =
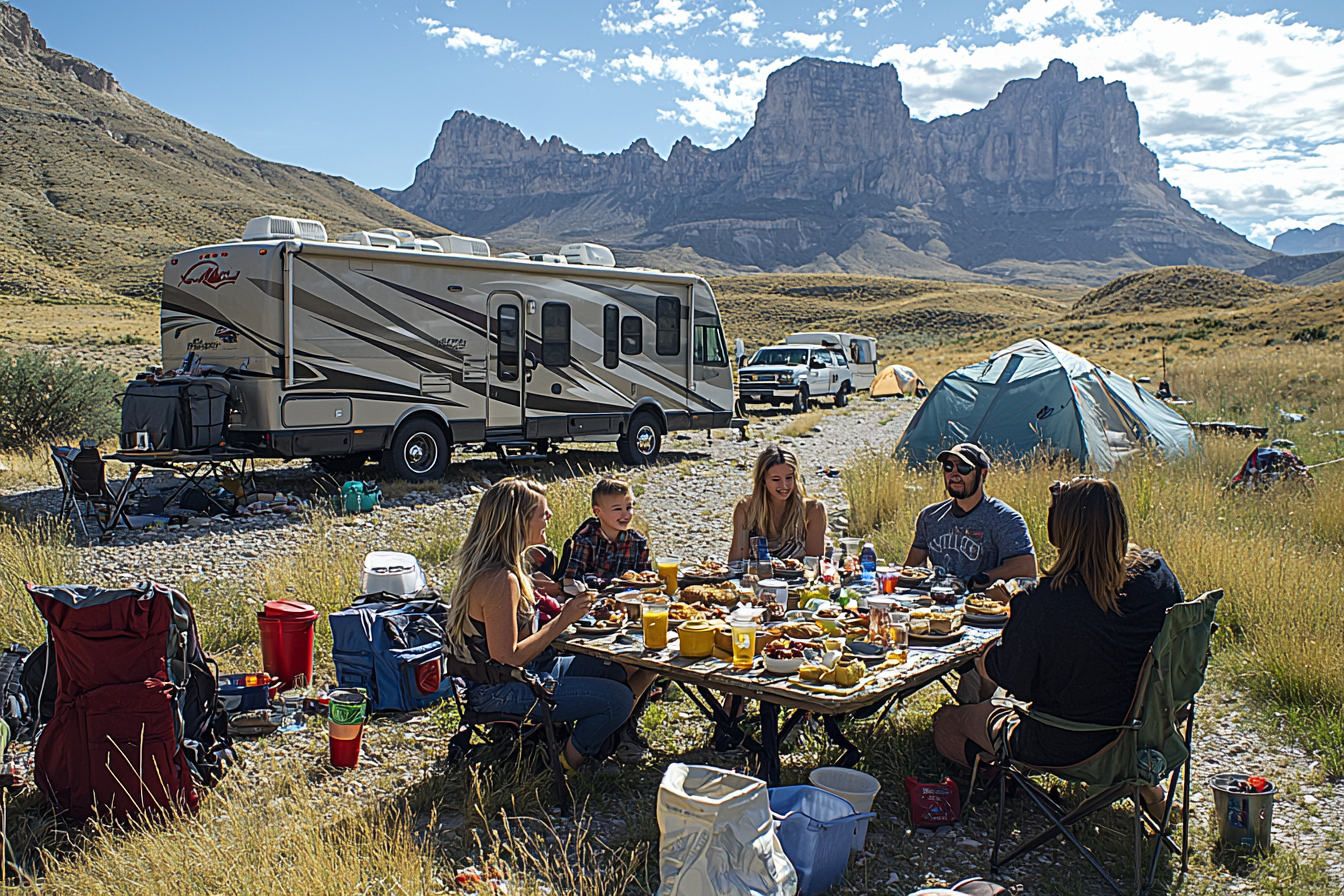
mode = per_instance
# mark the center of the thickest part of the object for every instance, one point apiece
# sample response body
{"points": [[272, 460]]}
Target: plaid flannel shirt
{"points": [[592, 555]]}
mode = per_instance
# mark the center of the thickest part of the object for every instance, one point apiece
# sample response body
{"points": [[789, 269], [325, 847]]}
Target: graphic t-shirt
{"points": [[974, 543]]}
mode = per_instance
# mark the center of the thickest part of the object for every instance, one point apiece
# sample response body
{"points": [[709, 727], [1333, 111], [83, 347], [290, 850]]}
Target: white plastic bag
{"points": [[717, 836]]}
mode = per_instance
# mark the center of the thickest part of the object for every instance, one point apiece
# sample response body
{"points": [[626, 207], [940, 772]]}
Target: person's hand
{"points": [[544, 584], [577, 607]]}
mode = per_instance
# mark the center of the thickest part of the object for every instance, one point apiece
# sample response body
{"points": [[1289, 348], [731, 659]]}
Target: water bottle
{"points": [[868, 558]]}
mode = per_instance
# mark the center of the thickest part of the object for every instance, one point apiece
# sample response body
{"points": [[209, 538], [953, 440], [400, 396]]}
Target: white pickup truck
{"points": [[795, 374]]}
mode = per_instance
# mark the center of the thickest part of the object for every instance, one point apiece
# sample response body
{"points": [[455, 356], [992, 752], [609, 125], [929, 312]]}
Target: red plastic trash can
{"points": [[287, 641]]}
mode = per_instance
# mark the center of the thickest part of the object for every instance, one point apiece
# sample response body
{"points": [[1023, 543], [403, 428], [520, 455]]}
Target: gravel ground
{"points": [[688, 502]]}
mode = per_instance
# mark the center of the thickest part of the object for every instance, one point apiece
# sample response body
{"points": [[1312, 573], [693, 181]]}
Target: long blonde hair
{"points": [[495, 542], [793, 524], [1090, 528]]}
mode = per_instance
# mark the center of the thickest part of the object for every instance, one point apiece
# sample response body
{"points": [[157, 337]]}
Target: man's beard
{"points": [[968, 486]]}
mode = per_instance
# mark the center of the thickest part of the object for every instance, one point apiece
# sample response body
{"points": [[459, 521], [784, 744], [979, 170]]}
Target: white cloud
{"points": [[860, 15], [1034, 16], [451, 4], [888, 7], [826, 17], [813, 42], [744, 22], [1246, 113], [664, 16], [723, 99], [455, 38]]}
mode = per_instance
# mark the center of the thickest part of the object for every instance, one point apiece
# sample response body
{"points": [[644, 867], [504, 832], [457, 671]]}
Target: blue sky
{"points": [[1243, 102]]}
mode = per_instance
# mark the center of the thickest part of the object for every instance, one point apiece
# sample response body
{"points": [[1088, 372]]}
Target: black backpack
{"points": [[202, 722]]}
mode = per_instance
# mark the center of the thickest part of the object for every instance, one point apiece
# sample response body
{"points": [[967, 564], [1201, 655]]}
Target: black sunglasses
{"points": [[962, 468]]}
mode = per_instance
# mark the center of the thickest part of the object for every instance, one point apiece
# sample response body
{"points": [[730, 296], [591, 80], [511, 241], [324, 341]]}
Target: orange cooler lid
{"points": [[291, 609]]}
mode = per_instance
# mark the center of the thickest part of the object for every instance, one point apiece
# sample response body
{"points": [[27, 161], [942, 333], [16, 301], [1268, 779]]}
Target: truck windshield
{"points": [[783, 357]]}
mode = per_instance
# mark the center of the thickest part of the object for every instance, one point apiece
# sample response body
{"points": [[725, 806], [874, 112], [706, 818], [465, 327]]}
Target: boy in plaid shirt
{"points": [[605, 545]]}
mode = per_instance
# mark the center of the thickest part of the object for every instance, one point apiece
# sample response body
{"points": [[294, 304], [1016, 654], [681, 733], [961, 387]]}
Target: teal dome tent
{"points": [[1036, 395]]}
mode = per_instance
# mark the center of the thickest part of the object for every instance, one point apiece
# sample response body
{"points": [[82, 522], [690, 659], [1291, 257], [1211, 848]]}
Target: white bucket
{"points": [[860, 788], [393, 572]]}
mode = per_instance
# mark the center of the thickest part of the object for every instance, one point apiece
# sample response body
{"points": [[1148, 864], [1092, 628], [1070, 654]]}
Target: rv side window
{"points": [[507, 328], [555, 334], [632, 336], [668, 339], [611, 336], [861, 351], [709, 348]]}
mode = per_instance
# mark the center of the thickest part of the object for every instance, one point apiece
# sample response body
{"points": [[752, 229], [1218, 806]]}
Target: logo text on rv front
{"points": [[208, 274]]}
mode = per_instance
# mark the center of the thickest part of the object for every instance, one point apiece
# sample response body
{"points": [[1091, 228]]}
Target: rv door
{"points": [[508, 364]]}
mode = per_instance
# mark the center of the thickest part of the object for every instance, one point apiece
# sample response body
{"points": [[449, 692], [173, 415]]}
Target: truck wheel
{"points": [[800, 400], [642, 440], [342, 463], [420, 451], [842, 396]]}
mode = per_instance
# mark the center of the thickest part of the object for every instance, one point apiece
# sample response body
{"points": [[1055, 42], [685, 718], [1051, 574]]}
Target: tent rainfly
{"points": [[1036, 395], [897, 379]]}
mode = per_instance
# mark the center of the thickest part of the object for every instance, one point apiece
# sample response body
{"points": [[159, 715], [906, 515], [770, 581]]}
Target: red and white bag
{"points": [[933, 805]]}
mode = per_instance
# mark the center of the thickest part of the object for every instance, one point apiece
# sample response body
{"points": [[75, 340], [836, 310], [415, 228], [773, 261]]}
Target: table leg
{"points": [[119, 506], [850, 757], [770, 743]]}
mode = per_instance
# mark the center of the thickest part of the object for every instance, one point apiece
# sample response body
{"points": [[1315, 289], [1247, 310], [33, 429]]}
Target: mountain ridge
{"points": [[1048, 179]]}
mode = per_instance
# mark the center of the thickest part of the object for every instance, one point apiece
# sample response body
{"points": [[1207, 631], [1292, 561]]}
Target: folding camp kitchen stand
{"points": [[702, 678], [195, 467]]}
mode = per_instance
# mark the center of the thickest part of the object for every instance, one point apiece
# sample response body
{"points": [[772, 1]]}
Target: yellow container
{"points": [[654, 618], [697, 638], [667, 571]]}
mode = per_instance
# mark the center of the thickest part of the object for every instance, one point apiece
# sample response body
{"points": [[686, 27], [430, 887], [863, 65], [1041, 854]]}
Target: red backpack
{"points": [[112, 747]]}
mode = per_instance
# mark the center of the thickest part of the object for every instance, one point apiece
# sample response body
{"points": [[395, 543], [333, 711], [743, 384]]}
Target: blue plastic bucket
{"points": [[816, 829]]}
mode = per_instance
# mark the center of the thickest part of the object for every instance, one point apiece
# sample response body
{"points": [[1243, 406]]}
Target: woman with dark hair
{"points": [[779, 510], [1075, 642]]}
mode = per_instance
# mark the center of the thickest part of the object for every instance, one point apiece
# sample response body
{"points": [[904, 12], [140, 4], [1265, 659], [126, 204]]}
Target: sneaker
{"points": [[594, 769], [629, 750]]}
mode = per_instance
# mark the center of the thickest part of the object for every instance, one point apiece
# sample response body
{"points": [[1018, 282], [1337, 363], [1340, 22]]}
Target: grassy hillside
{"points": [[97, 187]]}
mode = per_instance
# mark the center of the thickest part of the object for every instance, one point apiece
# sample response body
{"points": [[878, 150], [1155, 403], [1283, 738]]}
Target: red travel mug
{"points": [[345, 740]]}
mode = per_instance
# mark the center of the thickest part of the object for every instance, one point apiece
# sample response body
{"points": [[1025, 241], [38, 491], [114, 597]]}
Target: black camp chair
{"points": [[84, 489], [505, 728], [1151, 748]]}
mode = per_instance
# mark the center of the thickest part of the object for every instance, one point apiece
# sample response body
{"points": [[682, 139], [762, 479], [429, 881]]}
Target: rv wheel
{"points": [[842, 397], [800, 400], [642, 441], [420, 450]]}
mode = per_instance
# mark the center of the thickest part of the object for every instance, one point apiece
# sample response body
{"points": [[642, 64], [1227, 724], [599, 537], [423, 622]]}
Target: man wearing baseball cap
{"points": [[975, 538]]}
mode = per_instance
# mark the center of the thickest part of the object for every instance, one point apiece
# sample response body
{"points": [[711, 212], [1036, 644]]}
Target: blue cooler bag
{"points": [[393, 648], [816, 829]]}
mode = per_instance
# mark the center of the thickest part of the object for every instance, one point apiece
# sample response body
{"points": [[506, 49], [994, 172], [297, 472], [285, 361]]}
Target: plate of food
{"points": [[913, 576], [982, 611], [936, 625], [598, 626], [783, 657], [722, 594], [711, 572]]}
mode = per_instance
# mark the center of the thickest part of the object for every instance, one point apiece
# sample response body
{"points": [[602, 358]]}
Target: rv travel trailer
{"points": [[859, 351], [382, 345]]}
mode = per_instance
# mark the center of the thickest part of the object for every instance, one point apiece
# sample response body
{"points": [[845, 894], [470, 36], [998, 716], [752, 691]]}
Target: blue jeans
{"points": [[588, 692]]}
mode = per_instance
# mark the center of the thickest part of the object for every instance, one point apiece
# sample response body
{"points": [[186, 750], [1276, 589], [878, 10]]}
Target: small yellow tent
{"points": [[897, 379]]}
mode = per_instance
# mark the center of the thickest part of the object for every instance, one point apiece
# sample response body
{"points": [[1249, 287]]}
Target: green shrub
{"points": [[1312, 334], [47, 400]]}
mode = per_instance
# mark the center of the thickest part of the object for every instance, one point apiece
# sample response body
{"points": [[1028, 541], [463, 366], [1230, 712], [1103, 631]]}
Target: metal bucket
{"points": [[1245, 820]]}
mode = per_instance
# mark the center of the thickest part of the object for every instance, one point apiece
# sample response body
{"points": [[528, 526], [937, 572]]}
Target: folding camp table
{"points": [[195, 467], [706, 676]]}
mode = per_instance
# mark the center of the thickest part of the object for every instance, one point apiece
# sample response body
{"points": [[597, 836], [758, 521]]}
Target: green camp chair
{"points": [[1152, 746]]}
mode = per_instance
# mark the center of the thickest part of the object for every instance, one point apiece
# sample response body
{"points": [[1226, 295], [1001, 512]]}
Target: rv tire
{"points": [[342, 463], [842, 396], [800, 400], [420, 450], [642, 440]]}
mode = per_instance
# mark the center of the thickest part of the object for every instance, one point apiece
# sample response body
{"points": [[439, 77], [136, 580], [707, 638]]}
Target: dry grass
{"points": [[26, 469], [802, 423], [31, 552]]}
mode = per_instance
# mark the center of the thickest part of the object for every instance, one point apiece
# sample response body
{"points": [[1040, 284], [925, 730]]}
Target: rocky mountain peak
{"points": [[18, 37]]}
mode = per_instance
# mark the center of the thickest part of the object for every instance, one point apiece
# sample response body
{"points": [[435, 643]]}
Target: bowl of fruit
{"points": [[783, 657]]}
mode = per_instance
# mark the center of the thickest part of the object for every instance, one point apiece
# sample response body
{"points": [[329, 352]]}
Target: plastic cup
{"points": [[653, 616], [744, 645], [348, 706], [860, 788], [667, 571], [345, 740]]}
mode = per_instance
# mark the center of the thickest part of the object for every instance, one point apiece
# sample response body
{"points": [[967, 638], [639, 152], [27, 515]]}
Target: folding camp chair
{"points": [[84, 489], [1151, 748], [502, 727]]}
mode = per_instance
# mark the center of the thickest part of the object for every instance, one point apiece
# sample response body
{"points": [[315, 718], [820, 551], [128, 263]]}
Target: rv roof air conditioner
{"points": [[422, 246], [463, 245], [403, 236], [588, 253], [368, 238], [277, 227]]}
